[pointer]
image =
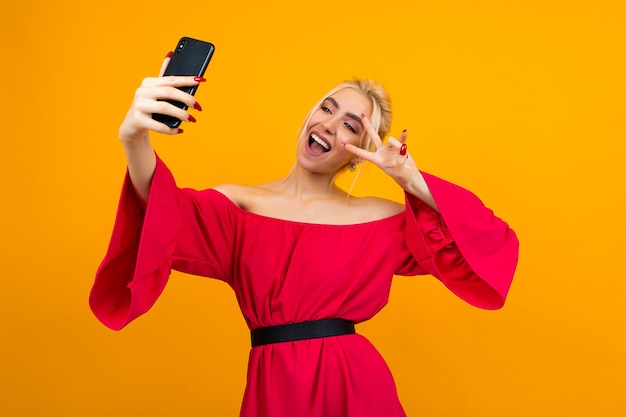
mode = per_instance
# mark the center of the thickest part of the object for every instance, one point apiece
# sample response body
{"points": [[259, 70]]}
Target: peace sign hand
{"points": [[394, 159]]}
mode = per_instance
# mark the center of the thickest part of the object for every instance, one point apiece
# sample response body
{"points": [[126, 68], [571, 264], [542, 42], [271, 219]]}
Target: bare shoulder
{"points": [[239, 194], [374, 208], [230, 190]]}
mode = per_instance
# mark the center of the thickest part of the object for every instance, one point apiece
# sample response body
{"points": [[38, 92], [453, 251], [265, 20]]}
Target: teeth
{"points": [[320, 141]]}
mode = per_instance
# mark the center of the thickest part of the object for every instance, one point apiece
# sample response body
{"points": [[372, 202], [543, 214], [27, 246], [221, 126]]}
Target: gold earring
{"points": [[352, 167]]}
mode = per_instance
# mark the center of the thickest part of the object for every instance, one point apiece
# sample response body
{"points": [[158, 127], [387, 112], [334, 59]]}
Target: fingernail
{"points": [[404, 131], [403, 149], [180, 131], [169, 54], [197, 106], [191, 119], [362, 116], [199, 79]]}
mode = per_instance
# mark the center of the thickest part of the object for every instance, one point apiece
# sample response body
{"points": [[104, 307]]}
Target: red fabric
{"points": [[286, 272]]}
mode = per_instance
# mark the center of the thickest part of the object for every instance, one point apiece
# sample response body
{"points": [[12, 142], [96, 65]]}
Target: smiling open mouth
{"points": [[317, 143]]}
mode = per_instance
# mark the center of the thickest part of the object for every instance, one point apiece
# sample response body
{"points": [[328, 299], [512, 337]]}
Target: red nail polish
{"points": [[403, 149], [197, 106], [169, 54], [199, 79], [191, 119], [362, 116], [404, 131], [180, 131]]}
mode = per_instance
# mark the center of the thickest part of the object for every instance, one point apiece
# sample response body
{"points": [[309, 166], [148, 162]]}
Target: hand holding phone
{"points": [[191, 57]]}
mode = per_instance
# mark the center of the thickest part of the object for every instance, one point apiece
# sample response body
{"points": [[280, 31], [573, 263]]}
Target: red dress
{"points": [[286, 272]]}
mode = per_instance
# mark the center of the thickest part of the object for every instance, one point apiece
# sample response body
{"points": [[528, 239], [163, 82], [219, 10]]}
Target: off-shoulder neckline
{"points": [[301, 223]]}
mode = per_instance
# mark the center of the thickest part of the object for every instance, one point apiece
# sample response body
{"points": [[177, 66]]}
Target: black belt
{"points": [[301, 331]]}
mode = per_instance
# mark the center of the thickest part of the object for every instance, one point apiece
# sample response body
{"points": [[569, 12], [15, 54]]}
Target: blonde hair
{"points": [[380, 119], [381, 107]]}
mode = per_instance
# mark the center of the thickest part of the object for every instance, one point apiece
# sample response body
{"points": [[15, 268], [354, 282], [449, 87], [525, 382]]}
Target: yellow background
{"points": [[520, 101]]}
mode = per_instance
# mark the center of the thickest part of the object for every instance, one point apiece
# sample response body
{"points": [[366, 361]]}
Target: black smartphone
{"points": [[191, 57]]}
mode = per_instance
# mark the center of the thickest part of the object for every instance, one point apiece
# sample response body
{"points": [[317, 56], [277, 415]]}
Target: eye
{"points": [[349, 126], [326, 110]]}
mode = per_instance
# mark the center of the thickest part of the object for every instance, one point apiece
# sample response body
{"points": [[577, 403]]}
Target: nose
{"points": [[329, 125]]}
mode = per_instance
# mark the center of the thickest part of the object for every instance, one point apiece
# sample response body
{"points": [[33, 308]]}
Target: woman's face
{"points": [[336, 122]]}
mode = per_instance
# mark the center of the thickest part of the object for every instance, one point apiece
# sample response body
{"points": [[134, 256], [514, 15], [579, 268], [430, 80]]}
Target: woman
{"points": [[305, 261]]}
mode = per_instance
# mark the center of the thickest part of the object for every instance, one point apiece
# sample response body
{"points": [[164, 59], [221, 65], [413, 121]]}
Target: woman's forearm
{"points": [[141, 161], [419, 188]]}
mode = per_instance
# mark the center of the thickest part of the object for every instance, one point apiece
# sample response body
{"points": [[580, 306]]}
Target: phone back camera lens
{"points": [[181, 45]]}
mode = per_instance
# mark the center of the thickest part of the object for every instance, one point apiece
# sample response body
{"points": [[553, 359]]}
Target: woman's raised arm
{"points": [[135, 130]]}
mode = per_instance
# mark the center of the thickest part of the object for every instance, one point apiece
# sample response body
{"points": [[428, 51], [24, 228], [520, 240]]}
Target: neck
{"points": [[302, 184]]}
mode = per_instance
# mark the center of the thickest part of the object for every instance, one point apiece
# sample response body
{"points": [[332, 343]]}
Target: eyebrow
{"points": [[350, 115]]}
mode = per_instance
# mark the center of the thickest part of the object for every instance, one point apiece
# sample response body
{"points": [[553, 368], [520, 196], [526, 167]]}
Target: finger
{"points": [[144, 93], [361, 153], [371, 132], [171, 93], [149, 107], [397, 143], [159, 127], [394, 143], [165, 63], [172, 81], [403, 136]]}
